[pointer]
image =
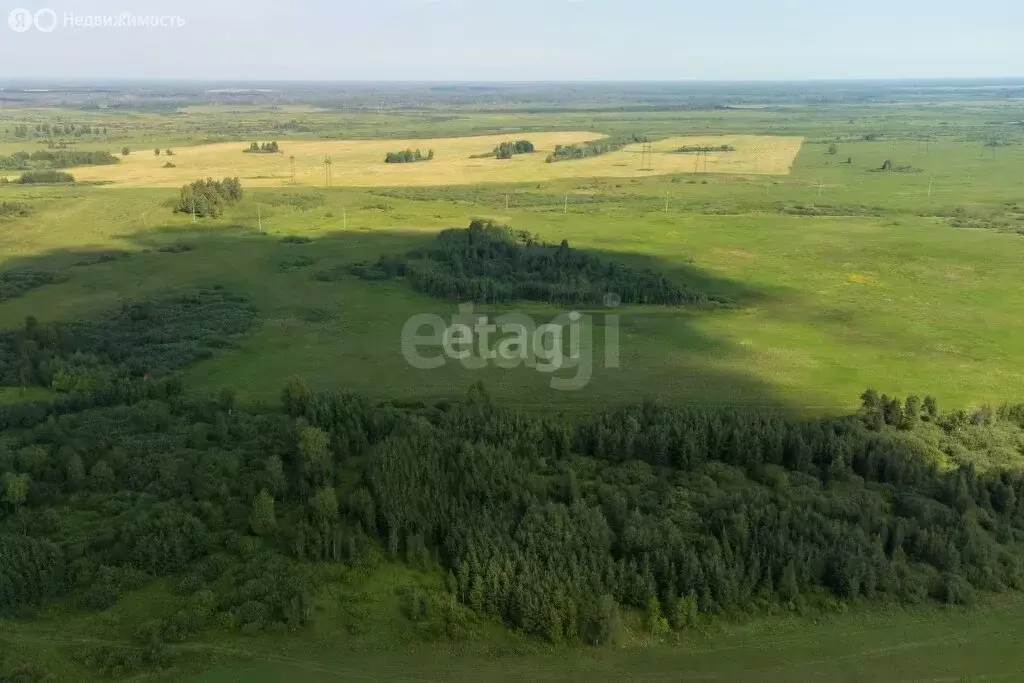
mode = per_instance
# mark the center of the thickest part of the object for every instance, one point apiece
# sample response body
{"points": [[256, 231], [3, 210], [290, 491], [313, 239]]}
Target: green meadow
{"points": [[843, 277], [361, 634]]}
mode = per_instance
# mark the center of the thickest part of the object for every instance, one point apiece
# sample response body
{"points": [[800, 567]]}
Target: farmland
{"points": [[359, 163], [149, 361]]}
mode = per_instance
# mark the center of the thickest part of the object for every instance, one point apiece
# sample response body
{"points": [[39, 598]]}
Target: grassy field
{"points": [[845, 277], [360, 634], [360, 163]]}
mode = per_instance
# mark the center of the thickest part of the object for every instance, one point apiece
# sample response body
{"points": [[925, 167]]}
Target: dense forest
{"points": [[553, 526], [46, 159], [408, 156], [593, 148], [489, 262], [208, 197]]}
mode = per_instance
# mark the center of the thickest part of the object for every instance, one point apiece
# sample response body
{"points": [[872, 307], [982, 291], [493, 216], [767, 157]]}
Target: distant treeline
{"points": [[49, 130], [41, 177], [44, 159], [208, 197], [488, 262], [593, 148], [262, 148], [703, 149], [408, 157]]}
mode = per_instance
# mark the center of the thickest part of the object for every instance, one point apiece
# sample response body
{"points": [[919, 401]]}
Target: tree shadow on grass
{"points": [[347, 333]]}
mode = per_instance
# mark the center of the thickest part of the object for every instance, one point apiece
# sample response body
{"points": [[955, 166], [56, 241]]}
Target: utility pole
{"points": [[666, 202], [259, 216], [292, 160], [344, 219], [506, 201], [193, 209], [565, 209], [929, 186]]}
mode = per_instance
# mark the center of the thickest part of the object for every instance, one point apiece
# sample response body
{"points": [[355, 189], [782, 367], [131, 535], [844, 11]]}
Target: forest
{"points": [[490, 262], [208, 197], [593, 148], [555, 526]]}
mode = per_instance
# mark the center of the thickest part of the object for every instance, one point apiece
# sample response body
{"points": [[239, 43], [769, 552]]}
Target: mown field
{"points": [[360, 163]]}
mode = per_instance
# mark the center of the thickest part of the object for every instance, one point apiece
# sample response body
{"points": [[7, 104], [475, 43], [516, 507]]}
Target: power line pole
{"points": [[292, 160], [666, 202], [565, 209], [259, 216], [344, 219], [647, 157], [506, 201], [193, 209]]}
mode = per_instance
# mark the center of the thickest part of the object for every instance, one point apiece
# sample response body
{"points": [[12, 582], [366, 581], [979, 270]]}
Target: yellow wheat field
{"points": [[360, 163]]}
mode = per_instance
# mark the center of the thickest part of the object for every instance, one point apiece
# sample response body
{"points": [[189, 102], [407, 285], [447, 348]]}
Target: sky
{"points": [[514, 40]]}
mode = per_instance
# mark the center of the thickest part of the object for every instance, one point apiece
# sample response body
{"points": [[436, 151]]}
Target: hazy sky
{"points": [[523, 40]]}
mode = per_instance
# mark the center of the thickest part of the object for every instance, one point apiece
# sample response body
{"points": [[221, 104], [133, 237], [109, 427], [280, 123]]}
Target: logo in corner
{"points": [[20, 20]]}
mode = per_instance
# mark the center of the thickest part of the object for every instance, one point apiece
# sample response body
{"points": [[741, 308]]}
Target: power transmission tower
{"points": [[646, 157]]}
